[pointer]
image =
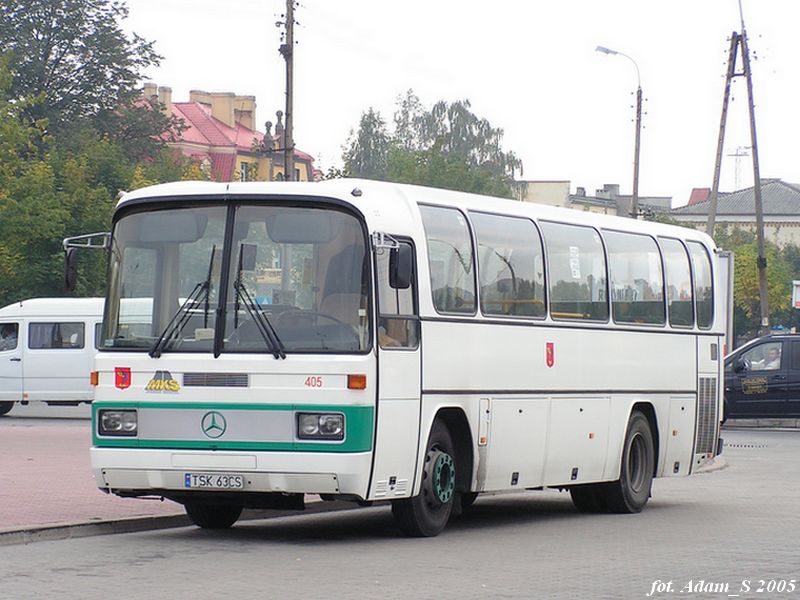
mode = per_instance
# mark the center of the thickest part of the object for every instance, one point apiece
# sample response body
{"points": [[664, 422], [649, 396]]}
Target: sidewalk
{"points": [[46, 480]]}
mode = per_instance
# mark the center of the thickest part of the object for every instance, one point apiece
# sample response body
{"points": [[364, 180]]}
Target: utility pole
{"points": [[762, 259], [740, 41], [287, 51], [635, 199], [712, 211]]}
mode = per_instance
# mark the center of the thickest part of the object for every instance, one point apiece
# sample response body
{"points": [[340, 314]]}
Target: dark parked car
{"points": [[762, 379]]}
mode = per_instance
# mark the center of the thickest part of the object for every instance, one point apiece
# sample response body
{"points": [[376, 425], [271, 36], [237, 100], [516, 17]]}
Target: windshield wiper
{"points": [[176, 324], [258, 316]]}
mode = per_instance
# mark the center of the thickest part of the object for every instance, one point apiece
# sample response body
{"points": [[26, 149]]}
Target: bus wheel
{"points": [[588, 498], [630, 493], [212, 516], [426, 515], [5, 407]]}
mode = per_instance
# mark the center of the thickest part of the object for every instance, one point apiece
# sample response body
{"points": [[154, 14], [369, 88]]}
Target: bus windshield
{"points": [[294, 279]]}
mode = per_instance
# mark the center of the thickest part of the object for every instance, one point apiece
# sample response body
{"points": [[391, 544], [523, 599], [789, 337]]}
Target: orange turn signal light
{"points": [[356, 382], [94, 378]]}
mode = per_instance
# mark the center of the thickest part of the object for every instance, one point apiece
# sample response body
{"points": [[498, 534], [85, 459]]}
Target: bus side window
{"points": [[703, 286], [451, 260], [398, 324], [679, 283], [576, 269], [510, 266], [637, 282]]}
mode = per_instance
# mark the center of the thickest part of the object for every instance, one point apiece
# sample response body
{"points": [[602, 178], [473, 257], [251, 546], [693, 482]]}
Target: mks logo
{"points": [[162, 381]]}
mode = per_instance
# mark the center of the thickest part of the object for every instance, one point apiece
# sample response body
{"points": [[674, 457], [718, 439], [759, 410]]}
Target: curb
{"points": [[48, 533]]}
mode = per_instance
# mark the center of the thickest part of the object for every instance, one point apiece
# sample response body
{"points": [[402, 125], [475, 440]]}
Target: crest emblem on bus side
{"points": [[550, 354], [162, 381], [122, 377]]}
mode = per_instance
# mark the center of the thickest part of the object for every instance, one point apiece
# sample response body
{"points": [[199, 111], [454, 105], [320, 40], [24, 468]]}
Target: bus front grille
{"points": [[706, 416], [216, 380]]}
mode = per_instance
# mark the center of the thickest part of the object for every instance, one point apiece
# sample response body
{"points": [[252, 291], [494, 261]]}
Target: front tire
{"points": [[631, 491], [5, 407], [212, 516], [426, 514]]}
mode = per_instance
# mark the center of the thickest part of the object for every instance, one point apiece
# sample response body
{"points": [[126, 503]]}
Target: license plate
{"points": [[213, 481]]}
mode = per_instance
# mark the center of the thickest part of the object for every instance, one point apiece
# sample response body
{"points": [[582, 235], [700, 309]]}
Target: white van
{"points": [[47, 346]]}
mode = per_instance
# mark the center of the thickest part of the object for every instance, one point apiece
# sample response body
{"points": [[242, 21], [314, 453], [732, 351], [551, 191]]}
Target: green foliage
{"points": [[447, 146], [367, 151], [783, 266], [65, 156], [75, 53]]}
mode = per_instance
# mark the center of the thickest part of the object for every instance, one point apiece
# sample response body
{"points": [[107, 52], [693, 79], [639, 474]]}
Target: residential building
{"points": [[780, 207], [606, 200], [222, 138]]}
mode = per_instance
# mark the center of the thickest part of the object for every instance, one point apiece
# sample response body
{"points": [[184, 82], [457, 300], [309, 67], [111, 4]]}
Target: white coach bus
{"points": [[369, 341]]}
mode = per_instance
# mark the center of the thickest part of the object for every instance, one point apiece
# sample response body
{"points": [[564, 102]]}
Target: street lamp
{"points": [[635, 200]]}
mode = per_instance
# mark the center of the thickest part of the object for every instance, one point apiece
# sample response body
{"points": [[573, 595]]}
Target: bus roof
{"points": [[371, 198], [55, 307]]}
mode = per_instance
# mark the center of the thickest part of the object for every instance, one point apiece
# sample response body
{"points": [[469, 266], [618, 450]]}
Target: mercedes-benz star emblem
{"points": [[213, 424]]}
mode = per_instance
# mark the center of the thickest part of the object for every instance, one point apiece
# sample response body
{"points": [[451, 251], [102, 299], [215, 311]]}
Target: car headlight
{"points": [[320, 426], [117, 422]]}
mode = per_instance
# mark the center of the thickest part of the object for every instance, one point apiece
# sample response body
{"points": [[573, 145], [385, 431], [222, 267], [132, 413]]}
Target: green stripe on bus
{"points": [[359, 423]]}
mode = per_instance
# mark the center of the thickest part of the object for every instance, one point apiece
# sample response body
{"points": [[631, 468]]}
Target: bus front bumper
{"points": [[150, 472]]}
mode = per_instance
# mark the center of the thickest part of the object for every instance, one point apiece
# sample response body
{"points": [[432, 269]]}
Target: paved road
{"points": [[721, 528]]}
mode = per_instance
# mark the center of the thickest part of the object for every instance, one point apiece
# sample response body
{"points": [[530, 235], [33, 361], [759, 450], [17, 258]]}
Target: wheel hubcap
{"points": [[440, 477]]}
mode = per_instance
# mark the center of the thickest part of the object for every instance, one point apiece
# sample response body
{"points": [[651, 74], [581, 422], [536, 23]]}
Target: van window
{"points": [[8, 336], [98, 335], [510, 266], [450, 260], [703, 287], [60, 336], [576, 267], [637, 283], [679, 283]]}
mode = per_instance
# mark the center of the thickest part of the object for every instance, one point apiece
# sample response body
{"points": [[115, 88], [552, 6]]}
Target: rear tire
{"points": [[631, 491], [426, 514], [212, 516], [5, 407]]}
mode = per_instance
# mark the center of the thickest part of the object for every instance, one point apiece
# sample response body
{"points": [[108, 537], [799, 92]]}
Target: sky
{"points": [[528, 66]]}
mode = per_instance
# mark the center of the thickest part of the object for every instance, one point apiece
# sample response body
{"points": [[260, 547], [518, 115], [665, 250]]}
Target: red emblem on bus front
{"points": [[550, 354], [122, 377]]}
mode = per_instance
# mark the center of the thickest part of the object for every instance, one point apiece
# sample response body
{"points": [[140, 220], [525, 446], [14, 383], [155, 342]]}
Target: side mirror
{"points": [[401, 265], [70, 268], [739, 365]]}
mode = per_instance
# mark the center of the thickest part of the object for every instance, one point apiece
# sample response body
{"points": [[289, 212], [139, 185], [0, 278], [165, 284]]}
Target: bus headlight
{"points": [[117, 422], [320, 426]]}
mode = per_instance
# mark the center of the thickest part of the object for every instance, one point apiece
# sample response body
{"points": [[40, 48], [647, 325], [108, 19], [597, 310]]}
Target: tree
{"points": [[367, 149], [75, 54], [447, 146]]}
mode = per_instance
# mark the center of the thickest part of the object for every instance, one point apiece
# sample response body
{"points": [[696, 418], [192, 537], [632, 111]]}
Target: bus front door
{"points": [[399, 384]]}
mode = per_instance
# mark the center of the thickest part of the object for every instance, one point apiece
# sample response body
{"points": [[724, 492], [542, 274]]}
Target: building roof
{"points": [[209, 131], [778, 198], [221, 141]]}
